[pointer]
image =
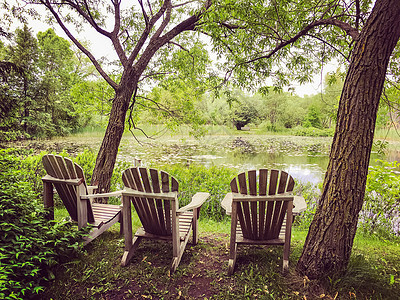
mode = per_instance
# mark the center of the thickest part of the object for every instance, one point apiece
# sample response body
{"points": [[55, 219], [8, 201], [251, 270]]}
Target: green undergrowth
{"points": [[96, 273], [30, 245], [43, 261], [198, 178]]}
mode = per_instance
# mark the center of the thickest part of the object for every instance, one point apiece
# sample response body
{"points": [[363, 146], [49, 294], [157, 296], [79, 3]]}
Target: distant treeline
{"points": [[49, 89]]}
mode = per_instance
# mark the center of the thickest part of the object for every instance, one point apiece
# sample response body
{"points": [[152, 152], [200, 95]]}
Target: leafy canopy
{"points": [[283, 40]]}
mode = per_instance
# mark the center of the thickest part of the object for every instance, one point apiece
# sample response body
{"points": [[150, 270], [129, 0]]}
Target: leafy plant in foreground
{"points": [[29, 244]]}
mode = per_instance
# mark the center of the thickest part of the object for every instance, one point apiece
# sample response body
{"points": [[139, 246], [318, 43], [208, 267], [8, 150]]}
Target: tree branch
{"points": [[145, 16], [330, 21], [87, 16], [184, 49], [157, 43], [98, 67], [114, 35], [330, 45], [165, 22], [358, 14], [155, 74], [149, 4], [184, 3], [188, 24], [146, 33], [158, 106]]}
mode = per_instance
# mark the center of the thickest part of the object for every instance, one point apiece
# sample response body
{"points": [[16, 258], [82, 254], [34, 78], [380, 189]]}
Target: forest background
{"points": [[60, 93]]}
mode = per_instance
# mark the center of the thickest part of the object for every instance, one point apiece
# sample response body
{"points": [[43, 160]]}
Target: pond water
{"points": [[305, 158]]}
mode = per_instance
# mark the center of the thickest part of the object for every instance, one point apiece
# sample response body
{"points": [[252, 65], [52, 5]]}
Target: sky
{"points": [[316, 85], [101, 47]]}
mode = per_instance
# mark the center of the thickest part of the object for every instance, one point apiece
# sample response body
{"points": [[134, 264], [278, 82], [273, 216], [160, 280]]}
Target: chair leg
{"points": [[232, 243], [174, 265], [285, 265], [286, 252], [232, 259], [121, 224], [195, 225], [128, 254], [177, 259], [48, 200]]}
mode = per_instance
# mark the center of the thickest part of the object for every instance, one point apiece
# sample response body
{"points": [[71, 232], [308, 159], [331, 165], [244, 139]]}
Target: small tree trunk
{"points": [[330, 238], [108, 151]]}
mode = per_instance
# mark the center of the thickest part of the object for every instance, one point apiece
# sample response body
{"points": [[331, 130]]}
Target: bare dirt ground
{"points": [[202, 274]]}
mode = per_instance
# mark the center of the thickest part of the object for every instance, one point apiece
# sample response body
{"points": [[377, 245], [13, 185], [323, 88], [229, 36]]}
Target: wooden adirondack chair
{"points": [[264, 213], [69, 181], [154, 195]]}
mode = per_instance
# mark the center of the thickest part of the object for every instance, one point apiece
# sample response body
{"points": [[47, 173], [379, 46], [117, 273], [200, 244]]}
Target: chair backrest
{"points": [[154, 213], [261, 218], [63, 168]]}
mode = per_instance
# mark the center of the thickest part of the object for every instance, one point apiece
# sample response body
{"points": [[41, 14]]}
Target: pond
{"points": [[305, 158]]}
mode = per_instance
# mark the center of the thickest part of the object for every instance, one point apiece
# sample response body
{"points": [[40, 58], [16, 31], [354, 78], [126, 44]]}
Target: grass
{"points": [[390, 134], [387, 134], [96, 273]]}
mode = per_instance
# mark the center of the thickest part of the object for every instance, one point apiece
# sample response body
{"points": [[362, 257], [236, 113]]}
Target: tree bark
{"points": [[330, 238], [107, 154]]}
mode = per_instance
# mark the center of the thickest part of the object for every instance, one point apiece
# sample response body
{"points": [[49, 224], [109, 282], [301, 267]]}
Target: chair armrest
{"points": [[51, 179], [299, 205], [197, 200], [91, 188], [103, 195], [226, 203]]}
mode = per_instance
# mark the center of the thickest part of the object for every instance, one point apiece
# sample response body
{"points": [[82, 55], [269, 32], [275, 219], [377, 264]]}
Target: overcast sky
{"points": [[101, 46]]}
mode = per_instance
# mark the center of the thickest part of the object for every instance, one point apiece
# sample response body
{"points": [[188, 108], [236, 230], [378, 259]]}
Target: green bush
{"points": [[380, 213], [311, 194], [198, 178], [269, 127], [29, 244], [312, 131], [9, 136]]}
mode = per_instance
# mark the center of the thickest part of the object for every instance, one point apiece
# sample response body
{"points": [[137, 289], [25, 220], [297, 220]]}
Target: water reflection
{"points": [[304, 165]]}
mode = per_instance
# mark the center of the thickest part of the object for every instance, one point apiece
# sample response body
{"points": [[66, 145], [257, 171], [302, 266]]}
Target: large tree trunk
{"points": [[107, 154], [330, 238]]}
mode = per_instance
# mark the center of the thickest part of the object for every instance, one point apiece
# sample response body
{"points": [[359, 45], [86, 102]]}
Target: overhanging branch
{"points": [[112, 83], [330, 21]]}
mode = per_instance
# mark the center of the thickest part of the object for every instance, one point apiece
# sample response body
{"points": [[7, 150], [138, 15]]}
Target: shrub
{"points": [[312, 131], [380, 212], [29, 244], [311, 194], [273, 127], [198, 178], [8, 136]]}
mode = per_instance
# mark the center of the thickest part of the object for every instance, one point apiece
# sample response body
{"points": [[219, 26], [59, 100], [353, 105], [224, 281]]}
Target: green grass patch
{"points": [[387, 134], [96, 273]]}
